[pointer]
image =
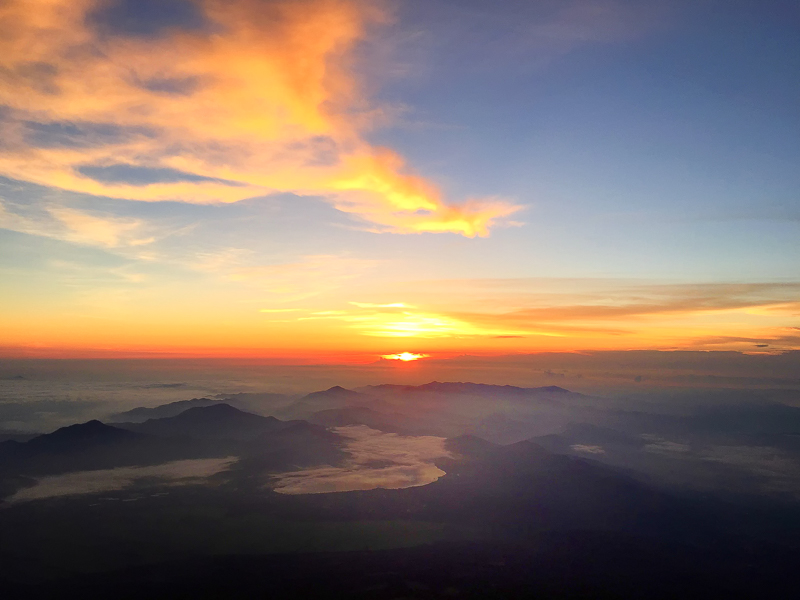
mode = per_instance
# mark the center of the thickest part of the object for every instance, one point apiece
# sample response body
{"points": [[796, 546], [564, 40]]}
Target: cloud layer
{"points": [[109, 480], [208, 101], [569, 313], [378, 460]]}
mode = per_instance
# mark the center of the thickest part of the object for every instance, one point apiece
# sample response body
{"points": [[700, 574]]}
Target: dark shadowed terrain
{"points": [[443, 490]]}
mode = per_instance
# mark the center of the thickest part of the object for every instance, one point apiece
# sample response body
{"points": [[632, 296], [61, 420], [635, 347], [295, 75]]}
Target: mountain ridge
{"points": [[216, 421]]}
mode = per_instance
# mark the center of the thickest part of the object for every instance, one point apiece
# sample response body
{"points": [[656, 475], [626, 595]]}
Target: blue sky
{"points": [[635, 143], [679, 143]]}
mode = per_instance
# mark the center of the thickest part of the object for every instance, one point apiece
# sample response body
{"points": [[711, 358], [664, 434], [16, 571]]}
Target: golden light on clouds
{"points": [[282, 318], [404, 356], [413, 324], [549, 317], [107, 105], [390, 305], [401, 320], [263, 99]]}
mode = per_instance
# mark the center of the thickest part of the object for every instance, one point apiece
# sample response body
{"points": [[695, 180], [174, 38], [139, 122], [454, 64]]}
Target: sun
{"points": [[404, 356]]}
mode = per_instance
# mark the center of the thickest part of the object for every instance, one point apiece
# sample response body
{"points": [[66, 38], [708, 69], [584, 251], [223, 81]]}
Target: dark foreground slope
{"points": [[513, 521], [573, 565]]}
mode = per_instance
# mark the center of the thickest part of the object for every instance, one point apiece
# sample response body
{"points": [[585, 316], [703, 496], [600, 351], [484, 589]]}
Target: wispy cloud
{"points": [[593, 313], [253, 97], [81, 227], [578, 22], [220, 260], [390, 305], [527, 35], [304, 278], [104, 231], [398, 320], [680, 315]]}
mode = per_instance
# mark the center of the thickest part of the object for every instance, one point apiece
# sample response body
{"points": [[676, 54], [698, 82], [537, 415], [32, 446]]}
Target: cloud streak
{"points": [[592, 314], [72, 225], [259, 96]]}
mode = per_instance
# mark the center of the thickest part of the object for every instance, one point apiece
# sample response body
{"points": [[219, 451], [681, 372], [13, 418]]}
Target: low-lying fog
{"points": [[42, 395], [681, 419], [109, 480], [379, 460]]}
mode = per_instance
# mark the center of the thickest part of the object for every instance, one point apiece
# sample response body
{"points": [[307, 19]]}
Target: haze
{"points": [[390, 299]]}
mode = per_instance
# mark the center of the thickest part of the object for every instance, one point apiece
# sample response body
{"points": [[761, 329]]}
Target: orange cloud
{"points": [[619, 316], [262, 100], [121, 315]]}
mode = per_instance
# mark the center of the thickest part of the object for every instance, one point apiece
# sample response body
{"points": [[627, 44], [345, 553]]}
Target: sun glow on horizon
{"points": [[404, 356]]}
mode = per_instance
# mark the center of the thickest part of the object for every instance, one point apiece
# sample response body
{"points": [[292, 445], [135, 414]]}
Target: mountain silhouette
{"points": [[295, 444], [142, 414], [74, 438], [469, 388], [85, 446], [217, 421], [333, 398], [469, 445]]}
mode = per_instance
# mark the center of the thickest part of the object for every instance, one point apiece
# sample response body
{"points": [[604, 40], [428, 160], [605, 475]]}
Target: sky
{"points": [[347, 179]]}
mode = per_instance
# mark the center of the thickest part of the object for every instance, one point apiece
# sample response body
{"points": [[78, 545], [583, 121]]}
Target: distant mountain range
{"points": [[85, 446], [735, 448], [217, 430], [336, 397], [69, 440], [261, 404], [363, 415], [587, 527], [141, 413], [520, 482], [446, 409], [391, 406], [467, 388], [215, 421]]}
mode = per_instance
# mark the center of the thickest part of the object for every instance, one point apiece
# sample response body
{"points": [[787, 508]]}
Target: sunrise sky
{"points": [[348, 179]]}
